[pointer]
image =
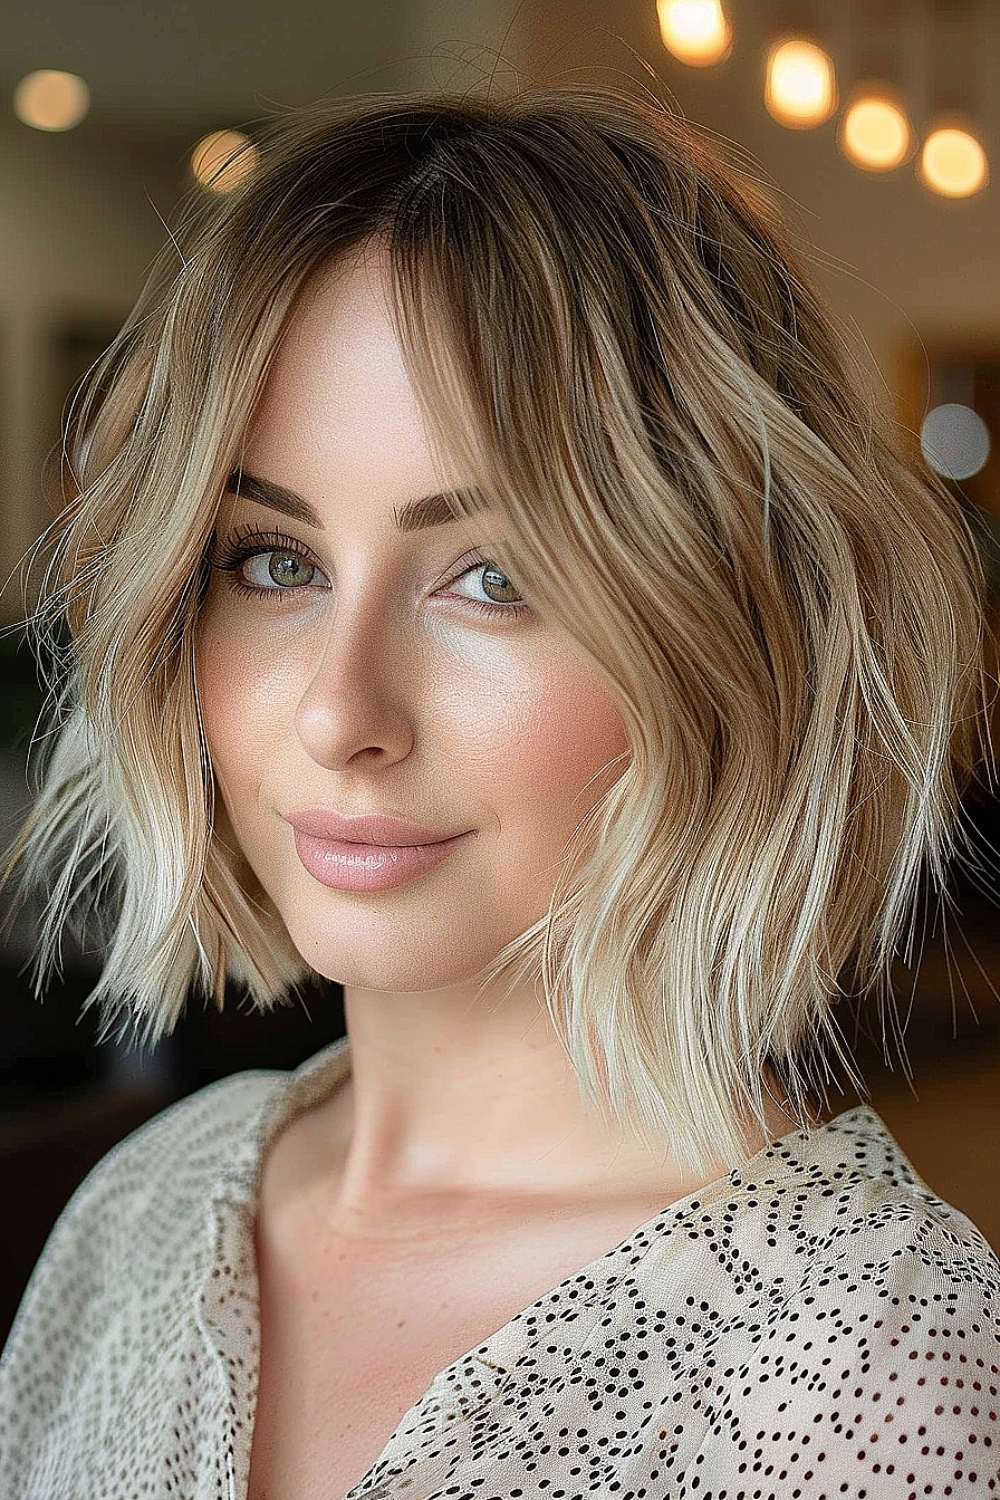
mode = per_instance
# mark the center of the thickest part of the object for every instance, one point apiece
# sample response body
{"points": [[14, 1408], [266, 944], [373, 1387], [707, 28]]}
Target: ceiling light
{"points": [[801, 88], [50, 100], [875, 132], [695, 31], [220, 161], [953, 162]]}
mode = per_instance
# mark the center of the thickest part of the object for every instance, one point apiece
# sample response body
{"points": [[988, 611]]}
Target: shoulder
{"points": [[849, 1323], [838, 1220], [124, 1252], [881, 1364], [161, 1169]]}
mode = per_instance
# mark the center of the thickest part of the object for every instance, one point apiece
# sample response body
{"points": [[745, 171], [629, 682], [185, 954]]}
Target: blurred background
{"points": [[875, 123]]}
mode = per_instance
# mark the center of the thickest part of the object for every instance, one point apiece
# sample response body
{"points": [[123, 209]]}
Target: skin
{"points": [[377, 687]]}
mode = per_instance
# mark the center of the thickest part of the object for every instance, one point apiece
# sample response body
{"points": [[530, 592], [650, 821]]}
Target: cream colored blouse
{"points": [[816, 1324]]}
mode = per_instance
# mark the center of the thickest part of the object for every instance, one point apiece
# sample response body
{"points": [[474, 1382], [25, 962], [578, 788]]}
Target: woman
{"points": [[487, 588]]}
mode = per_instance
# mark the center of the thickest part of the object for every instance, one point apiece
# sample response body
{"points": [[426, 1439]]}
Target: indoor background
{"points": [[876, 124]]}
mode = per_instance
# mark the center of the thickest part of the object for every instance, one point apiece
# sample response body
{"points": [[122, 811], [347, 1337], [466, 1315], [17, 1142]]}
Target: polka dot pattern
{"points": [[815, 1325]]}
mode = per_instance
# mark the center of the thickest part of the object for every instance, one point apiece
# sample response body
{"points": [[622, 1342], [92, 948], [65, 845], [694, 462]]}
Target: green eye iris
{"points": [[285, 568], [271, 572]]}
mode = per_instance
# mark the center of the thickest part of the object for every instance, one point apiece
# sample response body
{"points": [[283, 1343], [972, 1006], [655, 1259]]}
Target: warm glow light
{"points": [[801, 89], [220, 161], [953, 163], [875, 133], [696, 31], [49, 100]]}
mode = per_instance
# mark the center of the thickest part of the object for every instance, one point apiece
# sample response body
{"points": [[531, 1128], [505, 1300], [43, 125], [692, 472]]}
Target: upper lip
{"points": [[365, 828]]}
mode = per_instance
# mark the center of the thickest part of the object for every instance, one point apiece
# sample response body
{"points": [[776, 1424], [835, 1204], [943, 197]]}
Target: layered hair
{"points": [[609, 327]]}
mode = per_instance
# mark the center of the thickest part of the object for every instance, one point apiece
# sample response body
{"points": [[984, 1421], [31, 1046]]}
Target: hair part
{"points": [[607, 326]]}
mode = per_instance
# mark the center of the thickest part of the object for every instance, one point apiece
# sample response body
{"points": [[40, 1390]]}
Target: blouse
{"points": [[815, 1324]]}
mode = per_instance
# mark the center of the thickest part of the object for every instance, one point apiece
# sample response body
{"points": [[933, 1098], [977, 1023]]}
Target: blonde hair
{"points": [[606, 324]]}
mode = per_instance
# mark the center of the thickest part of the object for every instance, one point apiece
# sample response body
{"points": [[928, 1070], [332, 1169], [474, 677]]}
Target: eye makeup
{"points": [[248, 542]]}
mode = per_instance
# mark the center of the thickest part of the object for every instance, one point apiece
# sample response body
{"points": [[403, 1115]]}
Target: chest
{"points": [[347, 1348], [353, 1333]]}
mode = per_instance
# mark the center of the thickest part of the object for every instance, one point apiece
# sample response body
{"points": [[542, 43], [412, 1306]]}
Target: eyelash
{"points": [[228, 557]]}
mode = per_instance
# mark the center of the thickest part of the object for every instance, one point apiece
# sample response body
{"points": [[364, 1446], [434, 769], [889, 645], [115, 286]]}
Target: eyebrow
{"points": [[416, 515]]}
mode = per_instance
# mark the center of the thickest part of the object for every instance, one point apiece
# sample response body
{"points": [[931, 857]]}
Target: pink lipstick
{"points": [[372, 852]]}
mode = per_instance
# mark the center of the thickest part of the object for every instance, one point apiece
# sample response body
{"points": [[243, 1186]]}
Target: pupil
{"points": [[493, 573], [284, 568]]}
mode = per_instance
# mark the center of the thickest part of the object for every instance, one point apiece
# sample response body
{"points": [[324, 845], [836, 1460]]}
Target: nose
{"points": [[361, 693]]}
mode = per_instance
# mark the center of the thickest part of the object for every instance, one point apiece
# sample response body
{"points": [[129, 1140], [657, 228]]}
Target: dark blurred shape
{"points": [[208, 1044], [66, 1101], [47, 1046], [47, 1147]]}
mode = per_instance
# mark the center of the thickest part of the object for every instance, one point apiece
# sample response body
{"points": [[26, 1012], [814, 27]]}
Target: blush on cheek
{"points": [[577, 730], [236, 699], [551, 749], [218, 678]]}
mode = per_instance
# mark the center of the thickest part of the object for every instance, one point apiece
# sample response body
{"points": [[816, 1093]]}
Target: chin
{"points": [[404, 962]]}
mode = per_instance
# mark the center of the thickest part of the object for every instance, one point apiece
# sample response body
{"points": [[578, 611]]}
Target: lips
{"points": [[370, 868], [381, 829]]}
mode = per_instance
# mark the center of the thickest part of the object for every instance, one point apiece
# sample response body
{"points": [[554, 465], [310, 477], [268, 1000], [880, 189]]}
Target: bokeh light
{"points": [[50, 100], [875, 133], [953, 163], [955, 440], [221, 160], [695, 31], [801, 88]]}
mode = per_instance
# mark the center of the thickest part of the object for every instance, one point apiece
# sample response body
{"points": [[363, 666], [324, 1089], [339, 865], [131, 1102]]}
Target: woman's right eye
{"points": [[270, 571], [261, 565]]}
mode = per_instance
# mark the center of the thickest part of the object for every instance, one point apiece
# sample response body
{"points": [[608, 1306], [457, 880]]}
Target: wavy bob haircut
{"points": [[607, 325]]}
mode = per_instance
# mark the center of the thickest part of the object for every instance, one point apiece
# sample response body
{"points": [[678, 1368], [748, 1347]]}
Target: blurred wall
{"points": [[80, 224]]}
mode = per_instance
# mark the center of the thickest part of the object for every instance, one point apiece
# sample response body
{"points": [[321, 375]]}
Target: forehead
{"points": [[339, 349], [339, 414]]}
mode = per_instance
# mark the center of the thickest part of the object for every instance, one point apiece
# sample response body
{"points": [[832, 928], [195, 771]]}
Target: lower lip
{"points": [[369, 867]]}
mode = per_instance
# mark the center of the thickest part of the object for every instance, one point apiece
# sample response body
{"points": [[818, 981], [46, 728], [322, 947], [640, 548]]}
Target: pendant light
{"points": [[697, 32], [800, 90]]}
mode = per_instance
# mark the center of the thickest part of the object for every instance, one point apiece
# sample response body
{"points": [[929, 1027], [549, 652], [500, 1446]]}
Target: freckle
{"points": [[401, 1323]]}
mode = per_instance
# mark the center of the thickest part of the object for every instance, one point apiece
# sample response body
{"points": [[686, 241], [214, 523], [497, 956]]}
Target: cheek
{"points": [[217, 675], [581, 735], [538, 738], [238, 690]]}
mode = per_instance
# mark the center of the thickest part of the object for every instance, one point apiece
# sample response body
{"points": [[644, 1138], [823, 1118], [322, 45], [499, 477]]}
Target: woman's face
{"points": [[346, 667]]}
